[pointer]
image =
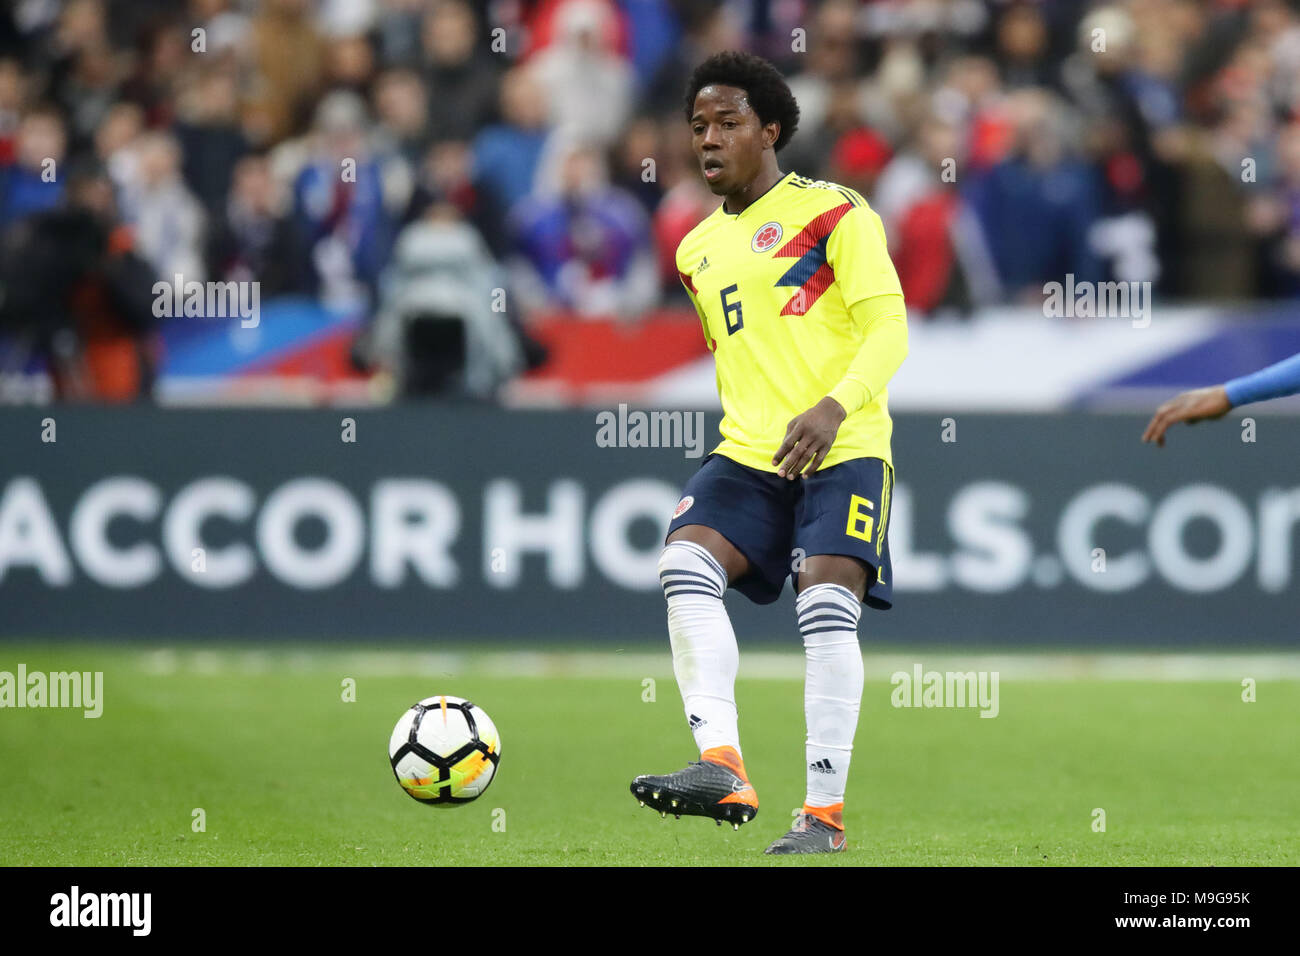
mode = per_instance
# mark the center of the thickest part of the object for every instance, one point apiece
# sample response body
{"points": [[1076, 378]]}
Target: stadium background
{"points": [[403, 444]]}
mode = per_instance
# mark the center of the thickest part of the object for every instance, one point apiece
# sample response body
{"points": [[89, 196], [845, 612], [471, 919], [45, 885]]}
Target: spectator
{"points": [[441, 327], [1276, 217], [546, 24], [31, 182], [1023, 47], [936, 245], [507, 154], [858, 155], [169, 221], [161, 61], [226, 29], [636, 169], [79, 297], [447, 174], [84, 69], [461, 78], [251, 238], [288, 64], [347, 203], [398, 32], [115, 144], [588, 86], [210, 136], [350, 64], [402, 107], [1036, 206], [584, 245], [815, 86], [709, 28], [970, 96]]}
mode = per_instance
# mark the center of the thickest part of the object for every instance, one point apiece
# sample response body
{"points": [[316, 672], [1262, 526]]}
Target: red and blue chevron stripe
{"points": [[811, 274]]}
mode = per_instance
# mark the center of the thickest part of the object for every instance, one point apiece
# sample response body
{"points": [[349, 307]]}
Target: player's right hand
{"points": [[1195, 406], [808, 439]]}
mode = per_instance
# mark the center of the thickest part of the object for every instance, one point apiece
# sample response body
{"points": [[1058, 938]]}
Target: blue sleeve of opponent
{"points": [[1272, 382]]}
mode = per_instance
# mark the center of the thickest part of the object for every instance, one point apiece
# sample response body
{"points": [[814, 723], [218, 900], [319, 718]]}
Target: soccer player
{"points": [[804, 314], [1216, 401]]}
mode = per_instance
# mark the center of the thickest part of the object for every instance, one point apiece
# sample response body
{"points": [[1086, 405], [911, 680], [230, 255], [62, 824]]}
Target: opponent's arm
{"points": [[809, 437], [1199, 404]]}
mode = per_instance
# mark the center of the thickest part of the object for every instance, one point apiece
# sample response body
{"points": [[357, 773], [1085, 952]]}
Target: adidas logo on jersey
{"points": [[821, 766], [696, 722], [704, 264]]}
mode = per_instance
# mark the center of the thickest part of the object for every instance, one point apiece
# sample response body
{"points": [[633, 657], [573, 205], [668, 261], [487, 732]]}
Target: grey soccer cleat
{"points": [[702, 789], [810, 835]]}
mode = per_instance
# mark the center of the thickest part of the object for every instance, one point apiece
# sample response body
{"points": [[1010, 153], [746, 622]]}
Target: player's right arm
{"points": [[1199, 404]]}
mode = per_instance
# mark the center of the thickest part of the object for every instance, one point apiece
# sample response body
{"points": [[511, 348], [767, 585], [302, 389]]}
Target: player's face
{"points": [[728, 138]]}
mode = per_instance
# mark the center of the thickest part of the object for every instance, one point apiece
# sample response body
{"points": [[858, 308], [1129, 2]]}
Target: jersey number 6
{"points": [[729, 307], [860, 522]]}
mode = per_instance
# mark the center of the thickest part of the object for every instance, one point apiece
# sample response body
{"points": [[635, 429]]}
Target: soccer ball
{"points": [[444, 751]]}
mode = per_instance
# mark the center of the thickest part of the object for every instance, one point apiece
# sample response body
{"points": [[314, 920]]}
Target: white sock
{"points": [[828, 620], [705, 655]]}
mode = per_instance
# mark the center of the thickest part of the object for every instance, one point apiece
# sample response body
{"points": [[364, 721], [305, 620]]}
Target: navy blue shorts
{"points": [[775, 522]]}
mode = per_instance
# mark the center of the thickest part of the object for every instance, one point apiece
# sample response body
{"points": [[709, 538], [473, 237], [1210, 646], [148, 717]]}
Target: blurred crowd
{"points": [[393, 156]]}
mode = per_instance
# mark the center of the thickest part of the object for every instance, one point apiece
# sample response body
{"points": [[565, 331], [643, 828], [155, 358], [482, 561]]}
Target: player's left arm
{"points": [[1200, 404], [869, 286]]}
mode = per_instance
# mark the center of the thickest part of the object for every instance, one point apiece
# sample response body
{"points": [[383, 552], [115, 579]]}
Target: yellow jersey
{"points": [[774, 286]]}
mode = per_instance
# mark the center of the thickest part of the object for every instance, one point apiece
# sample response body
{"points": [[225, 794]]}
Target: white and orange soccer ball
{"points": [[445, 751]]}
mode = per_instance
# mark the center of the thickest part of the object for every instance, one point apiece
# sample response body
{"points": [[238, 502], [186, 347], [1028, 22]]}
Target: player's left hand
{"points": [[1191, 407], [808, 439]]}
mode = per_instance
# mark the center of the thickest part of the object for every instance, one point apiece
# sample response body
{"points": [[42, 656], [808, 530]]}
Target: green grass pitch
{"points": [[288, 773]]}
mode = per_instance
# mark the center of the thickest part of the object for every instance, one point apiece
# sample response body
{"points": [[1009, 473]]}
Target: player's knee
{"points": [[849, 573], [687, 569]]}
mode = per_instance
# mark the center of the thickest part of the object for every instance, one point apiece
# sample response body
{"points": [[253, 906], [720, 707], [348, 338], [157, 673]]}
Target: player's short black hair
{"points": [[768, 93]]}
